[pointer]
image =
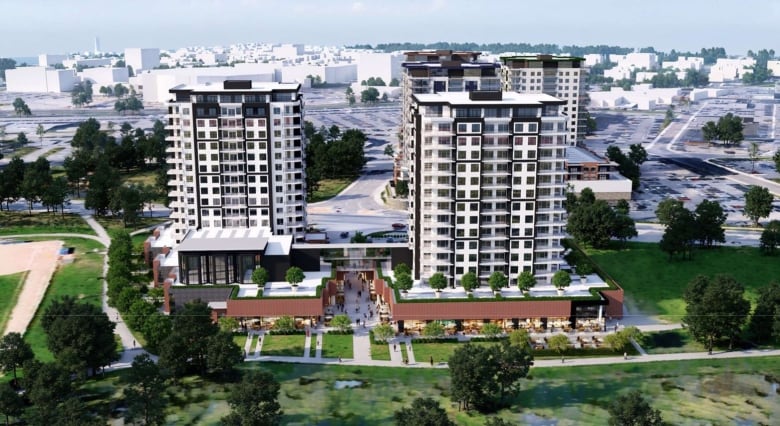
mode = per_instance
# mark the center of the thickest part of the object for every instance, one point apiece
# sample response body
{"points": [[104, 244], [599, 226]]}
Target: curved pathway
{"points": [[129, 343]]}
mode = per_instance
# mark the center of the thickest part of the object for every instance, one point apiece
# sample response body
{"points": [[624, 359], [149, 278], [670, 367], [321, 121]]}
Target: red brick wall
{"points": [[481, 310], [615, 298]]}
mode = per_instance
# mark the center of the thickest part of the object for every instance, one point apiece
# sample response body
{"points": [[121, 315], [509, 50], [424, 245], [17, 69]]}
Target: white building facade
{"points": [[40, 80], [236, 155], [142, 58], [487, 184], [557, 76]]}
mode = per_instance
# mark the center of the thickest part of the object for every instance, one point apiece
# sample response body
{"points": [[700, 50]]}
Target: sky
{"points": [[31, 27]]}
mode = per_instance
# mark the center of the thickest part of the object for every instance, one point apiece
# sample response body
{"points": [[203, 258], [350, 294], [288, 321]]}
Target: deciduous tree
{"points": [[758, 203], [423, 412], [254, 401], [770, 237], [145, 392], [469, 281], [632, 409], [14, 352], [710, 218], [294, 276], [716, 308], [437, 281]]}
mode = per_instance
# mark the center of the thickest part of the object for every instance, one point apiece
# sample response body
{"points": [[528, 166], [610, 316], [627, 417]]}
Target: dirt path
{"points": [[40, 259]]}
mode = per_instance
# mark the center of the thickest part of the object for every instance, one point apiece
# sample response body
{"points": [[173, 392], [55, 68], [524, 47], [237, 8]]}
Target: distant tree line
{"points": [[34, 183], [596, 223], [759, 72], [97, 158]]}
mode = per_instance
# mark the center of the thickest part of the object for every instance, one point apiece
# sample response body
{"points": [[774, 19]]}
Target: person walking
{"points": [[431, 360]]}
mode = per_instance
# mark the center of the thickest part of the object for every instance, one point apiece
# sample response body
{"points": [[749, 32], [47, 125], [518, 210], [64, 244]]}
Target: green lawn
{"points": [[328, 189], [21, 152], [18, 222], [655, 285], [240, 340], [10, 287], [337, 345], [283, 345], [81, 279], [380, 351], [53, 151], [139, 177], [439, 351], [115, 223], [671, 341]]}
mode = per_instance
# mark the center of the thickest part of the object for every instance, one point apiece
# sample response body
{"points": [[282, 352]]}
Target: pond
{"points": [[347, 384]]}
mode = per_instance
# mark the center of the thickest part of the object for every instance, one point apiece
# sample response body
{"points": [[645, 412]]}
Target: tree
{"points": [[632, 410], [637, 154], [770, 237], [192, 326], [76, 169], [402, 268], [389, 150], [437, 281], [81, 94], [394, 82], [102, 185], [667, 209], [482, 377], [342, 322], [423, 412], [491, 330], [21, 139], [350, 95], [120, 90], [14, 352], [11, 182], [40, 131], [145, 392], [561, 279], [79, 334], [370, 95], [294, 276], [383, 332], [776, 159], [497, 280], [127, 201], [710, 131], [403, 282], [138, 312], [222, 354], [520, 337], [469, 281], [680, 234], [592, 223], [358, 238], [157, 327], [21, 108], [402, 188], [758, 203], [228, 324], [710, 218], [622, 207], [559, 343], [433, 329], [11, 403], [37, 178], [728, 129], [767, 304], [260, 276], [753, 154], [254, 401], [623, 228], [46, 384], [715, 308], [106, 91], [284, 323], [525, 281]]}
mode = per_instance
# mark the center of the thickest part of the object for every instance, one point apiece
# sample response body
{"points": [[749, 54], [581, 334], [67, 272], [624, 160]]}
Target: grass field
{"points": [[711, 391], [10, 287], [440, 352], [20, 222], [53, 151], [115, 223], [380, 351], [139, 177], [81, 279], [671, 341], [655, 285], [328, 189], [337, 345], [21, 152], [240, 340], [283, 345]]}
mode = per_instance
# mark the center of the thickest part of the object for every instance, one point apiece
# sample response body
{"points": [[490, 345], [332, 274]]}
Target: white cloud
{"points": [[358, 7]]}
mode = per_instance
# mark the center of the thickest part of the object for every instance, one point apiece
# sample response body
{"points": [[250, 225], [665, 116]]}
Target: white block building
{"points": [[487, 184], [384, 65], [40, 80], [726, 69], [142, 58], [105, 76], [236, 153], [49, 60], [685, 63]]}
